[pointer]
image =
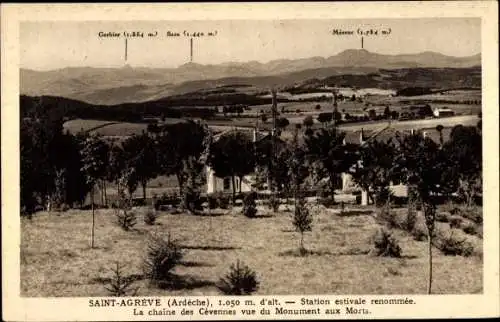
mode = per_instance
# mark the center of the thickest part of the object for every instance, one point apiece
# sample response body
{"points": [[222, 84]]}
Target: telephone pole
{"points": [[274, 112], [126, 50], [334, 103], [191, 50]]}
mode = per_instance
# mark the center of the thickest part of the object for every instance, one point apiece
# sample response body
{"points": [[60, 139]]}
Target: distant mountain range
{"points": [[138, 84]]}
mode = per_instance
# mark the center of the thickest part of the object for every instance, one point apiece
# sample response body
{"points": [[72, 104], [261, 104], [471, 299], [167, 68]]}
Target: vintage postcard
{"points": [[250, 161]]}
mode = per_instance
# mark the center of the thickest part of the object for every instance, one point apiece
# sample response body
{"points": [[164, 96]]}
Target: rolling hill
{"points": [[109, 86]]}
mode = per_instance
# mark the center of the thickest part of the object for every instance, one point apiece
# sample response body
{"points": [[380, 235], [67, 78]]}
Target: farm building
{"points": [[443, 112]]}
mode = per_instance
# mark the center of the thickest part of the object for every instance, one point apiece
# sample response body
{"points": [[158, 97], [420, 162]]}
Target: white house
{"points": [[217, 184], [359, 137], [443, 112]]}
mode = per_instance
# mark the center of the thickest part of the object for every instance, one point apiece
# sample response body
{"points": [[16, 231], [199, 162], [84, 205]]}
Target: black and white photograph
{"points": [[222, 157]]}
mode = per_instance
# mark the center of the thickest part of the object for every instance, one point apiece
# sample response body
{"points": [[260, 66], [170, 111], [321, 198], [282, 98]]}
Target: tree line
{"points": [[65, 168]]}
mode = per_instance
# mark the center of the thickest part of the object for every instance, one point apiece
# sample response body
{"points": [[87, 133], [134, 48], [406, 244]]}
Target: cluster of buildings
{"points": [[345, 184]]}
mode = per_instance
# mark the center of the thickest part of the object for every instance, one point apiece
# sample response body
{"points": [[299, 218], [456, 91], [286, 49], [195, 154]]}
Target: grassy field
{"points": [[56, 259], [81, 125], [295, 112], [107, 128]]}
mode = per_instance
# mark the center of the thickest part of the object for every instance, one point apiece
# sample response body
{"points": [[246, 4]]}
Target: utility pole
{"points": [[126, 50], [334, 103], [274, 111], [191, 50]]}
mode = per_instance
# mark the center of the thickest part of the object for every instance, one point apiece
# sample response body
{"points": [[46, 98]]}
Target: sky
{"points": [[52, 45]]}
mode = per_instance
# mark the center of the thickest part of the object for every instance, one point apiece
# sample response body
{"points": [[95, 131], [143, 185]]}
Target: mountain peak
{"points": [[190, 65], [355, 52]]}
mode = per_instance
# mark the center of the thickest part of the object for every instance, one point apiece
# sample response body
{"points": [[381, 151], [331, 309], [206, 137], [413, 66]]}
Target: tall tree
{"points": [[75, 186], [297, 172], [282, 123], [40, 140], [193, 168], [140, 155], [374, 170], [420, 164], [326, 146], [116, 163], [232, 155], [177, 145], [308, 121], [464, 151], [440, 129], [387, 112], [93, 166], [324, 118], [297, 165]]}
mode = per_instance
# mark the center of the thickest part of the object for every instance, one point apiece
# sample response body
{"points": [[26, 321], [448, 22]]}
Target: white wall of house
{"points": [[216, 184], [348, 186]]}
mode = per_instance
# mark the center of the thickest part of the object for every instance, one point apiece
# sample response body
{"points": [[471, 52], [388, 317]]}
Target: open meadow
{"points": [[56, 258]]}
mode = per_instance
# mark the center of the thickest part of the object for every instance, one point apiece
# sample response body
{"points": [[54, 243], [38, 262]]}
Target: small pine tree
{"points": [[411, 219], [120, 285], [274, 203], [125, 217], [161, 257], [240, 280], [150, 217], [59, 196], [193, 170], [249, 205], [386, 244], [302, 220], [430, 223]]}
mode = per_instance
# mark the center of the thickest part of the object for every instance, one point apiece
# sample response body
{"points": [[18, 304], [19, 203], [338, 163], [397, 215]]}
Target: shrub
{"points": [[120, 285], [442, 217], [212, 202], [394, 271], [167, 199], [386, 244], [125, 218], [411, 219], [249, 205], [388, 217], [328, 202], [475, 214], [419, 232], [161, 257], [150, 217], [274, 203], [452, 245], [191, 199], [223, 201], [240, 280], [383, 196], [470, 229], [455, 221], [302, 220]]}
